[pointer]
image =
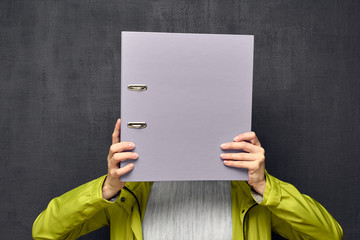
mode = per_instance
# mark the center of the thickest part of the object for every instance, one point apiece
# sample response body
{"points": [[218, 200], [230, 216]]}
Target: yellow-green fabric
{"points": [[283, 210]]}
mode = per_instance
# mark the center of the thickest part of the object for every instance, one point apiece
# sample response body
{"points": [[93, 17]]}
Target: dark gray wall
{"points": [[60, 86]]}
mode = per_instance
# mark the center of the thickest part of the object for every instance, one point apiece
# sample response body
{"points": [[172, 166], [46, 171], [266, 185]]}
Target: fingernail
{"points": [[226, 162], [131, 165], [131, 145], [135, 155], [223, 155], [236, 139], [223, 145]]}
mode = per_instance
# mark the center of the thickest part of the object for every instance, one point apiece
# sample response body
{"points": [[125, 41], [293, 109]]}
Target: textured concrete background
{"points": [[60, 91]]}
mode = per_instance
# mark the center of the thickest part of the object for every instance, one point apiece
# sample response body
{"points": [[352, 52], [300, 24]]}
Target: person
{"points": [[257, 207]]}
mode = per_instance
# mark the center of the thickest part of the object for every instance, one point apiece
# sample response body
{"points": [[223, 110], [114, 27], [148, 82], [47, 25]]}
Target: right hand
{"points": [[112, 184]]}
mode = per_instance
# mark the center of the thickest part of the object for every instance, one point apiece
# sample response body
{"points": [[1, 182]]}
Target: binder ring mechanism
{"points": [[137, 87], [137, 125]]}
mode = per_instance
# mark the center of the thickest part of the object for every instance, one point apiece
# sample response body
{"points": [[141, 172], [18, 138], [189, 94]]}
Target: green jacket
{"points": [[283, 210]]}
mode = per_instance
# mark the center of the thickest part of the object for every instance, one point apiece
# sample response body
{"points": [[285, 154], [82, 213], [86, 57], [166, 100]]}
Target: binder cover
{"points": [[198, 96]]}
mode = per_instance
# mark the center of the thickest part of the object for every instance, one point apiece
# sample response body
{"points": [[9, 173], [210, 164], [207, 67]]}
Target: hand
{"points": [[112, 184], [252, 159]]}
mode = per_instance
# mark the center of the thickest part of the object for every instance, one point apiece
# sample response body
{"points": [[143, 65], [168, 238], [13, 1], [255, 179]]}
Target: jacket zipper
{"points": [[137, 201], [247, 211]]}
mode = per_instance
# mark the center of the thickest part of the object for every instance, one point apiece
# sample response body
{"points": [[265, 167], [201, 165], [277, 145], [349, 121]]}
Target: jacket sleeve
{"points": [[74, 213], [297, 216]]}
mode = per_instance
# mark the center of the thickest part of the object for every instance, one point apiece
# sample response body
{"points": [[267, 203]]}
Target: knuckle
{"points": [[112, 149], [262, 150], [112, 172], [252, 134], [116, 157], [240, 145], [118, 172], [241, 165], [253, 167]]}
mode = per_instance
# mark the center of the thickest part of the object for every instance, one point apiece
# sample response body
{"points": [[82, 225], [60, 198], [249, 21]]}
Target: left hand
{"points": [[252, 159]]}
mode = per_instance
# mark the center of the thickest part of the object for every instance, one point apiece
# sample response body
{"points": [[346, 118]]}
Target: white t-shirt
{"points": [[188, 210]]}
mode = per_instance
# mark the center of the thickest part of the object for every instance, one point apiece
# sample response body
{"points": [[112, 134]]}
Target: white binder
{"points": [[182, 96]]}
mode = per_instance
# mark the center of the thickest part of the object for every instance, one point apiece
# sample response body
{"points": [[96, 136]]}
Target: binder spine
{"points": [[137, 88]]}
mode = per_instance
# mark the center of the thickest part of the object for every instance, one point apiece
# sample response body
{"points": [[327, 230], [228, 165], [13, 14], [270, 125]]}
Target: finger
{"points": [[120, 147], [119, 157], [125, 169], [248, 147], [116, 133], [248, 136], [240, 164], [239, 156]]}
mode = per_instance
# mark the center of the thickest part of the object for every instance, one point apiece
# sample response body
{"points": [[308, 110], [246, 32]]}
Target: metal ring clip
{"points": [[137, 125], [137, 87]]}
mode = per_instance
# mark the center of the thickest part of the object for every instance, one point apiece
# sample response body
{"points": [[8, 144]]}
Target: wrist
{"points": [[259, 187], [109, 191]]}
